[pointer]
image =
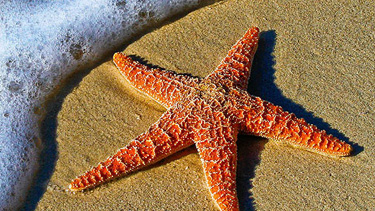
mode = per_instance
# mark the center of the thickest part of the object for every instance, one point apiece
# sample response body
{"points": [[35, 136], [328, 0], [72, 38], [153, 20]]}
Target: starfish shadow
{"points": [[148, 64], [262, 84], [248, 154]]}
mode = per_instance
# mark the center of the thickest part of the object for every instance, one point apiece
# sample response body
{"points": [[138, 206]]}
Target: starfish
{"points": [[208, 112]]}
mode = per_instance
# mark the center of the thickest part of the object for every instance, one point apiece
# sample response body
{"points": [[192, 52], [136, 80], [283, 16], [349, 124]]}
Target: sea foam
{"points": [[41, 42]]}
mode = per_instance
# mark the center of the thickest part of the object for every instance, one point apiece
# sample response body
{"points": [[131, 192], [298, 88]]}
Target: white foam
{"points": [[41, 42]]}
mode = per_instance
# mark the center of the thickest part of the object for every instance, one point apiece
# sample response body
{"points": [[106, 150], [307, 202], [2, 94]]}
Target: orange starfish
{"points": [[209, 113]]}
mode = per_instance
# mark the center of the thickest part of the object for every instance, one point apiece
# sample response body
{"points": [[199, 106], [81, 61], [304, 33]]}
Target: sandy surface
{"points": [[315, 60]]}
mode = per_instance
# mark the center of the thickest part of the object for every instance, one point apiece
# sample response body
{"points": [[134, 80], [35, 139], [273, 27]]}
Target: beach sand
{"points": [[315, 60]]}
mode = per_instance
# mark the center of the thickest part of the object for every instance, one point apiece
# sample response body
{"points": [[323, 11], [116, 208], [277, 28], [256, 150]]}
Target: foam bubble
{"points": [[41, 42]]}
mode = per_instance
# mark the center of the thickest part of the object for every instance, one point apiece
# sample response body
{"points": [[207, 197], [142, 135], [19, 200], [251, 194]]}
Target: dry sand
{"points": [[314, 59]]}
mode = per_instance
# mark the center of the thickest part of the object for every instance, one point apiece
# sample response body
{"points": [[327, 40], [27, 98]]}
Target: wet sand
{"points": [[315, 60]]}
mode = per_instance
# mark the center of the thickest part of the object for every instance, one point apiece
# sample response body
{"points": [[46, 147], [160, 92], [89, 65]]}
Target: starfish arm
{"points": [[166, 87], [234, 69], [168, 135], [219, 159], [262, 118], [216, 144]]}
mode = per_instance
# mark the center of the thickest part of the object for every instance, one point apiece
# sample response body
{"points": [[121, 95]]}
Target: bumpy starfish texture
{"points": [[209, 113]]}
